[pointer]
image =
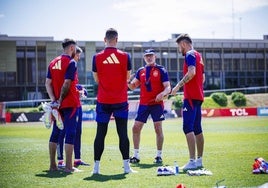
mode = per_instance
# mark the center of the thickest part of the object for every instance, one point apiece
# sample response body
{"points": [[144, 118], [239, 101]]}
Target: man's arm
{"points": [[133, 84], [65, 89], [49, 89], [164, 93], [96, 78], [129, 76], [187, 77]]}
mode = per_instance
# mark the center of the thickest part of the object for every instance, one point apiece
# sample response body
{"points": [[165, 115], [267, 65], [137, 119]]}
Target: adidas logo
{"points": [[22, 118], [57, 65], [185, 109], [162, 116], [112, 59]]}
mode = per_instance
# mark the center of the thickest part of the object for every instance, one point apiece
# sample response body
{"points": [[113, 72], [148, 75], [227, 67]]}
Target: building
{"points": [[229, 63]]}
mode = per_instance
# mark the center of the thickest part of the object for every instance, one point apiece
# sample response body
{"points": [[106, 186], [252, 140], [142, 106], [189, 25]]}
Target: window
{"points": [[42, 68], [11, 78], [227, 64], [137, 64], [31, 65], [21, 66], [2, 78], [173, 65]]}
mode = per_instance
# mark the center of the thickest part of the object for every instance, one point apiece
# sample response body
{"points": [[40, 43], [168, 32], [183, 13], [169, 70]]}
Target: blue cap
{"points": [[149, 52]]}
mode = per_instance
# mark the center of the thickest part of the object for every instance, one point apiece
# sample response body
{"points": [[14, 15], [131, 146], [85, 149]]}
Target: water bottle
{"points": [[176, 166]]}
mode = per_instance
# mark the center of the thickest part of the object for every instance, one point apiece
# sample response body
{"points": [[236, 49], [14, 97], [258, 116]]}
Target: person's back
{"points": [[61, 87], [58, 68], [111, 65], [111, 70]]}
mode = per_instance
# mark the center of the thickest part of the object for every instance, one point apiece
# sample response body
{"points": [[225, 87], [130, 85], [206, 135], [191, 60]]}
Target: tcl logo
{"points": [[238, 112]]}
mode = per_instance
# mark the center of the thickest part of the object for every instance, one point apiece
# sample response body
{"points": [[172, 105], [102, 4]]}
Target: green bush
{"points": [[177, 101], [220, 98], [239, 99], [210, 103]]}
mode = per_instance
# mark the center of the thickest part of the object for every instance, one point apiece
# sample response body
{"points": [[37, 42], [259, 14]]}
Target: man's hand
{"points": [[160, 97], [174, 90], [55, 104]]}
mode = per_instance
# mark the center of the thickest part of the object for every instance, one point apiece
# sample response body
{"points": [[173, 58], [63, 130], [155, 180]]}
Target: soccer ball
{"points": [[180, 185]]}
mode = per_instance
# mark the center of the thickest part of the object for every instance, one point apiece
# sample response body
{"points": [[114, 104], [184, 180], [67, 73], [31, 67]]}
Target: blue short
{"points": [[104, 111], [192, 116], [156, 111], [70, 118]]}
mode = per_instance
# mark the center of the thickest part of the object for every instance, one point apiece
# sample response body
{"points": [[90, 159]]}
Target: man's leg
{"points": [[189, 115], [69, 154], [159, 141], [200, 148], [99, 140], [198, 131], [159, 135], [199, 137], [70, 124], [52, 155], [190, 137], [52, 146], [77, 143], [142, 116], [136, 132], [200, 144], [99, 145], [121, 127], [60, 146]]}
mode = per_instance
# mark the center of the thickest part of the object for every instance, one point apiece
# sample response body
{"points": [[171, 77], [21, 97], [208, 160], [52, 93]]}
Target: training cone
{"points": [[180, 185]]}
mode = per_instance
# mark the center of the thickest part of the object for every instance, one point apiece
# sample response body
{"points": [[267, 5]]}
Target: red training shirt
{"points": [[111, 66], [59, 69], [194, 88]]}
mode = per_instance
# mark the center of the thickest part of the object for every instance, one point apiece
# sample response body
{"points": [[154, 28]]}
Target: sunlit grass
{"points": [[231, 144]]}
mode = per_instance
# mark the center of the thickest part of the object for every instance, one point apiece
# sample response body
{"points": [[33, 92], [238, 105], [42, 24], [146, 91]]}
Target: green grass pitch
{"points": [[231, 144]]}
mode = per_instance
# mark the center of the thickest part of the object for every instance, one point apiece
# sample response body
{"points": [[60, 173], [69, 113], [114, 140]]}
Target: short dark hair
{"points": [[66, 42], [78, 50], [182, 37], [111, 33]]}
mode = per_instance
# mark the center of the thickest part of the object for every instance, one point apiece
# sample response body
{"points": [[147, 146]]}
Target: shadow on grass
{"points": [[53, 174], [103, 178], [140, 165]]}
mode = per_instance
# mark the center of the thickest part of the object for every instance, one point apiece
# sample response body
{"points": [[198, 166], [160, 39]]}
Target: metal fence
{"points": [[92, 100]]}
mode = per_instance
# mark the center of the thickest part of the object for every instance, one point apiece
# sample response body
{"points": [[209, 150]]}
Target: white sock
{"points": [[96, 166], [199, 159], [126, 163], [137, 153], [159, 153]]}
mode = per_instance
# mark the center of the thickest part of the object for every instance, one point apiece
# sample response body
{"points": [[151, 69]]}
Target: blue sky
{"points": [[135, 20]]}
